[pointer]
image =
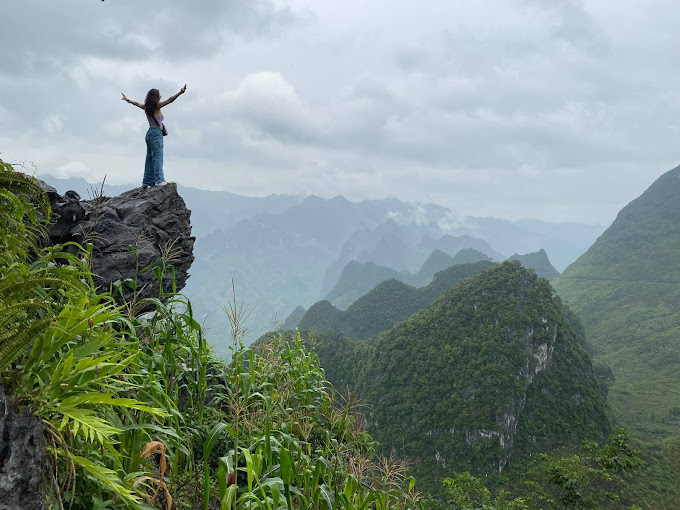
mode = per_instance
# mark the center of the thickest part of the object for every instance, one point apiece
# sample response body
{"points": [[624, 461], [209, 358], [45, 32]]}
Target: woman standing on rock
{"points": [[153, 166]]}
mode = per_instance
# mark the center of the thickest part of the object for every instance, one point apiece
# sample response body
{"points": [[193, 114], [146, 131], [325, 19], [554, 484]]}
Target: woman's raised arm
{"points": [[171, 99], [138, 105]]}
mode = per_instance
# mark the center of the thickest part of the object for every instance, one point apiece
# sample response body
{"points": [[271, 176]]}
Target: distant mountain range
{"points": [[565, 242], [285, 251], [382, 307], [358, 278]]}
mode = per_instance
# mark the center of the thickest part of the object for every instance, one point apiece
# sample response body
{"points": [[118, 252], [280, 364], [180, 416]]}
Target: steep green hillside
{"points": [[385, 305], [643, 243], [489, 372], [634, 328], [539, 262], [626, 288]]}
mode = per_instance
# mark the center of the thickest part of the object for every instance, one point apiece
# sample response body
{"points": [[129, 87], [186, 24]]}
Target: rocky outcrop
{"points": [[22, 458], [129, 233]]}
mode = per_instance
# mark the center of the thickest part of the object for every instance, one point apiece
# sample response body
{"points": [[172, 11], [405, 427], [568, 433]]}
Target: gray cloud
{"points": [[524, 108], [55, 34]]}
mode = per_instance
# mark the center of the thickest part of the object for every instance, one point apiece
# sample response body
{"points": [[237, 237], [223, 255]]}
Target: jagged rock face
{"points": [[22, 458], [128, 232]]}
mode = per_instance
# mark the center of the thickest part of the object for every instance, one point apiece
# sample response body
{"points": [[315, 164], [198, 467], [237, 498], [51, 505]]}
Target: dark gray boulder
{"points": [[22, 458], [128, 233]]}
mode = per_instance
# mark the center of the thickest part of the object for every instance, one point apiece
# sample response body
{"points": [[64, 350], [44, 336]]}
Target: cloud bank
{"points": [[556, 110]]}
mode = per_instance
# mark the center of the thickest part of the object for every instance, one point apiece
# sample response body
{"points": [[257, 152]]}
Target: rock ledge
{"points": [[128, 232]]}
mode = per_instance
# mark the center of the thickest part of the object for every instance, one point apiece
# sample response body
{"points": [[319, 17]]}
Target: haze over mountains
{"points": [[357, 278], [289, 251]]}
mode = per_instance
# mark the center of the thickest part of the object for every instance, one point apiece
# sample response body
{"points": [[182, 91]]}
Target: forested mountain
{"points": [[539, 262], [626, 288], [382, 307], [357, 278], [439, 260], [489, 372], [486, 374]]}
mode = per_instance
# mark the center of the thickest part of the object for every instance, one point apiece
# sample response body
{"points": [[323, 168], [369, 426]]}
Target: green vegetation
{"points": [[489, 373], [388, 303], [626, 289], [139, 413], [592, 479], [643, 242]]}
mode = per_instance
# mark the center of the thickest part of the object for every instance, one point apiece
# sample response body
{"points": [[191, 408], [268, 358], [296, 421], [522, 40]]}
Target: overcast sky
{"points": [[549, 109]]}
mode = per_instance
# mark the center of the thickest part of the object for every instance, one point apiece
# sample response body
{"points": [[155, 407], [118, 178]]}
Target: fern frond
{"points": [[19, 313], [18, 340], [23, 285], [21, 184]]}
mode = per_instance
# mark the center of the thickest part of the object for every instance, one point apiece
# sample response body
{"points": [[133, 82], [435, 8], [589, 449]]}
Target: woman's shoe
{"points": [[161, 183], [146, 186]]}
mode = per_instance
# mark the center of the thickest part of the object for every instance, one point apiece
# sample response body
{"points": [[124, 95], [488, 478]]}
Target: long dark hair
{"points": [[153, 97]]}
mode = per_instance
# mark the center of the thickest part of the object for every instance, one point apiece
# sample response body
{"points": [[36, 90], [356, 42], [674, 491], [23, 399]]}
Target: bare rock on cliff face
{"points": [[128, 233], [22, 458]]}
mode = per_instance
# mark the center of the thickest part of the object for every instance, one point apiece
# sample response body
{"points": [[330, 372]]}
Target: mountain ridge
{"points": [[384, 305]]}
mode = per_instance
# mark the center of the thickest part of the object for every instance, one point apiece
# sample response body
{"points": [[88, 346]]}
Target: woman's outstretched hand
{"points": [[183, 90], [124, 98]]}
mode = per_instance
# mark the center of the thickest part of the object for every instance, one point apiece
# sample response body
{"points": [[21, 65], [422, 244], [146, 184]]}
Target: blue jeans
{"points": [[153, 166]]}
